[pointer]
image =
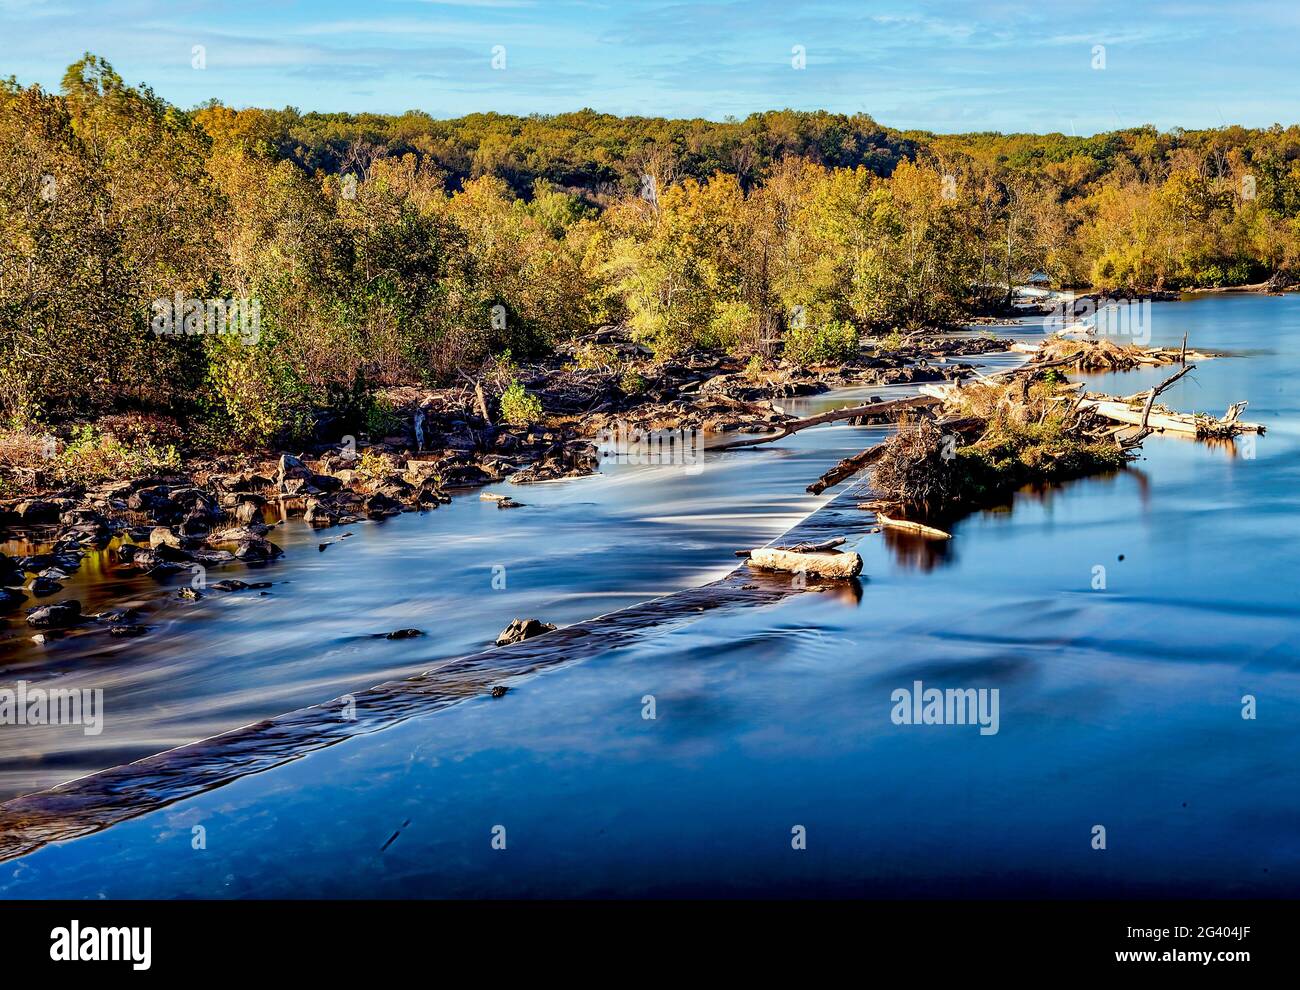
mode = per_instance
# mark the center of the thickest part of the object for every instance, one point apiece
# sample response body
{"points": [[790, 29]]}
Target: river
{"points": [[1121, 619]]}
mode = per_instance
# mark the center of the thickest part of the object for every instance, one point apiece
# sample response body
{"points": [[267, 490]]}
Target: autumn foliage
{"points": [[388, 250]]}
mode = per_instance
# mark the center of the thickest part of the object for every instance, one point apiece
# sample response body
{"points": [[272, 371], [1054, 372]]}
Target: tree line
{"points": [[390, 249]]}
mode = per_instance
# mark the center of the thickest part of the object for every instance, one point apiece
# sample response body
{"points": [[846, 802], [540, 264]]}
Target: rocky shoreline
{"points": [[220, 511]]}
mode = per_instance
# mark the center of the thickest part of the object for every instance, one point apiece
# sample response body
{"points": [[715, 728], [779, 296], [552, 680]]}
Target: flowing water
{"points": [[1122, 621]]}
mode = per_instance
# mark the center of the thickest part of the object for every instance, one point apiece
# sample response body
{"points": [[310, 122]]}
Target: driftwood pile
{"points": [[1102, 354], [1019, 426]]}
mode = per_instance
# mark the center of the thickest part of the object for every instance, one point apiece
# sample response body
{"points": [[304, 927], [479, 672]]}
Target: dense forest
{"points": [[387, 249]]}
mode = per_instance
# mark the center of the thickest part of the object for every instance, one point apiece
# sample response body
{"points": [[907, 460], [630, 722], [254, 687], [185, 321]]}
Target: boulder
{"points": [[290, 467], [247, 512], [195, 524], [167, 552], [245, 481], [319, 513], [163, 536], [43, 587], [95, 533], [522, 629], [155, 502], [238, 534], [294, 477], [36, 510], [257, 549], [379, 505], [153, 561], [325, 482], [81, 514], [59, 615], [232, 500]]}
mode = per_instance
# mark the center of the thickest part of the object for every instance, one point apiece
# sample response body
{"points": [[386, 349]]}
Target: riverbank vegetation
{"points": [[387, 251], [1011, 435]]}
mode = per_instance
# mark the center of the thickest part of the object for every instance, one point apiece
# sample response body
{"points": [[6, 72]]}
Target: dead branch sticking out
{"points": [[478, 394], [845, 468], [912, 527], [870, 409]]}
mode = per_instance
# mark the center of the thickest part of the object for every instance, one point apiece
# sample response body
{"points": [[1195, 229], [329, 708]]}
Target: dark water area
{"points": [[1121, 619]]}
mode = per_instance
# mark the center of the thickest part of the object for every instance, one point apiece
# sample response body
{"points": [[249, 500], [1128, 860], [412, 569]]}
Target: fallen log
{"points": [[1190, 424], [1148, 420], [912, 527], [845, 468], [822, 547], [848, 412], [828, 565]]}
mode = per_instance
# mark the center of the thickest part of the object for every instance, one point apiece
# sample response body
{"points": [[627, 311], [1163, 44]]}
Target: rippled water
{"points": [[1119, 706]]}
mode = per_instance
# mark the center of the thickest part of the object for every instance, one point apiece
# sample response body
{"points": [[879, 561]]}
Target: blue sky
{"points": [[940, 66]]}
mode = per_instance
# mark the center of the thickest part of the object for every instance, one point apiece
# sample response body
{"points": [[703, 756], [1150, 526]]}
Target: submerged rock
{"points": [[118, 616], [404, 634]]}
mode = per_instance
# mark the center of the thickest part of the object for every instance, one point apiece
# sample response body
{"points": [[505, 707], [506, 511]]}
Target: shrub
{"points": [[519, 407], [632, 382], [374, 466], [143, 430], [828, 343], [24, 449], [258, 396], [732, 326], [91, 456], [591, 356], [381, 418]]}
